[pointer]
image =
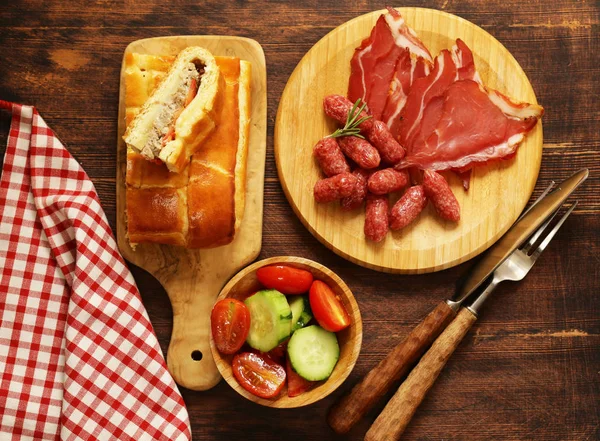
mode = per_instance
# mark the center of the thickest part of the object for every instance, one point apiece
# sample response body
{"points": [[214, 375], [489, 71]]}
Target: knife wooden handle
{"points": [[396, 415], [352, 407]]}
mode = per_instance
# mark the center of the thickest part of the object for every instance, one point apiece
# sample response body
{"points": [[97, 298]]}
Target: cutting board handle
{"points": [[189, 357]]}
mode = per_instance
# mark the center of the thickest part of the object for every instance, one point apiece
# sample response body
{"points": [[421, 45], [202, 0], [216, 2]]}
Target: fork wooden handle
{"points": [[352, 407], [396, 415]]}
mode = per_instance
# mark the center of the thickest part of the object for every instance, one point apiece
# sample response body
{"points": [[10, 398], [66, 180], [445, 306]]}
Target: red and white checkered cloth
{"points": [[78, 356]]}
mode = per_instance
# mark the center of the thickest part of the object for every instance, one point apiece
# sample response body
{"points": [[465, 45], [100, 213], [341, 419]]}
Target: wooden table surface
{"points": [[530, 368]]}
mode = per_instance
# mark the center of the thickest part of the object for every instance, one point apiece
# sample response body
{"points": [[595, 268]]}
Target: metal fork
{"points": [[396, 415], [522, 259]]}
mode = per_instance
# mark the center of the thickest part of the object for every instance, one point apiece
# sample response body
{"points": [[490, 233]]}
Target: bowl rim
{"points": [[355, 339]]}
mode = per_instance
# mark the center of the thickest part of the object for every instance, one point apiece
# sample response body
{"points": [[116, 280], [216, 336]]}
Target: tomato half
{"points": [[230, 324], [258, 374], [285, 279], [327, 308], [296, 384]]}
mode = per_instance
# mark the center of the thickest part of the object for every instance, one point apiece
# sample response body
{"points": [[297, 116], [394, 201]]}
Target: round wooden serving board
{"points": [[193, 278], [498, 192]]}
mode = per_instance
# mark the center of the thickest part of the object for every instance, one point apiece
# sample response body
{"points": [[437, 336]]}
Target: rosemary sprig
{"points": [[352, 122]]}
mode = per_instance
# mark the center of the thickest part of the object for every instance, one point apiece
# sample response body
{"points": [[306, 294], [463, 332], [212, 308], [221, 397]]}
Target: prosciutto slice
{"points": [[423, 104], [464, 62], [374, 62], [470, 125], [465, 65], [406, 37], [408, 69], [451, 121]]}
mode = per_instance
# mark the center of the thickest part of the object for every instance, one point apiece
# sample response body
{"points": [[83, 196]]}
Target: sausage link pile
{"points": [[373, 177]]}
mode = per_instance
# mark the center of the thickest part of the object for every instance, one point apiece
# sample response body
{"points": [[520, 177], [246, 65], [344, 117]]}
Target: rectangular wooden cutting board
{"points": [[193, 278]]}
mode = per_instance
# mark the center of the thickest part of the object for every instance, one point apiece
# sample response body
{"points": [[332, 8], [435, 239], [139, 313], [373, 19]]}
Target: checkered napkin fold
{"points": [[78, 356]]}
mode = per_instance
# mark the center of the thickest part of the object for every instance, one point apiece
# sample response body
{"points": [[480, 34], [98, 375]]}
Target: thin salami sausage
{"points": [[330, 157], [408, 207], [360, 151], [376, 217], [338, 107], [439, 193], [383, 140], [359, 194], [336, 187], [387, 181]]}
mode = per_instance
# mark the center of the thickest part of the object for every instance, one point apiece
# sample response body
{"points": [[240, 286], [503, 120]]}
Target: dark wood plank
{"points": [[529, 368]]}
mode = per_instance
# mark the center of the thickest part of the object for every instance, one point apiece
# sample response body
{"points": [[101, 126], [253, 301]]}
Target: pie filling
{"points": [[163, 129]]}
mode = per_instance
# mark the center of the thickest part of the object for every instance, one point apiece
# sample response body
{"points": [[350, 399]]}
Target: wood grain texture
{"points": [[193, 278], [498, 191], [245, 282], [352, 407], [528, 370], [395, 417]]}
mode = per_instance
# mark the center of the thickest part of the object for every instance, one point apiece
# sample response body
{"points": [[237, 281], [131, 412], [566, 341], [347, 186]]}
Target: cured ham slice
{"points": [[374, 62], [423, 105], [465, 178], [372, 68], [448, 68], [464, 62], [408, 69], [451, 121], [415, 62], [406, 37], [473, 125]]}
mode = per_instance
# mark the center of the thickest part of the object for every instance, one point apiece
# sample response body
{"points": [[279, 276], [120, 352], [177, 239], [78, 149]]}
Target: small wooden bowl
{"points": [[349, 339]]}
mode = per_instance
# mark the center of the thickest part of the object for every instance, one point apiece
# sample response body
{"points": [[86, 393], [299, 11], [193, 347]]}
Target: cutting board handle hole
{"points": [[196, 355]]}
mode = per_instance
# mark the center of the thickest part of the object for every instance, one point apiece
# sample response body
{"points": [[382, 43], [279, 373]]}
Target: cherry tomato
{"points": [[258, 374], [296, 384], [285, 279], [230, 323], [327, 308]]}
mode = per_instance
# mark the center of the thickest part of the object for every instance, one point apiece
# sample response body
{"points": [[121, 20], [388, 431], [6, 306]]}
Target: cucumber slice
{"points": [[270, 319], [313, 352], [301, 313]]}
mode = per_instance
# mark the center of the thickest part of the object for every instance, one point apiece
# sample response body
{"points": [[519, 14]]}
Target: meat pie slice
{"points": [[181, 112]]}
